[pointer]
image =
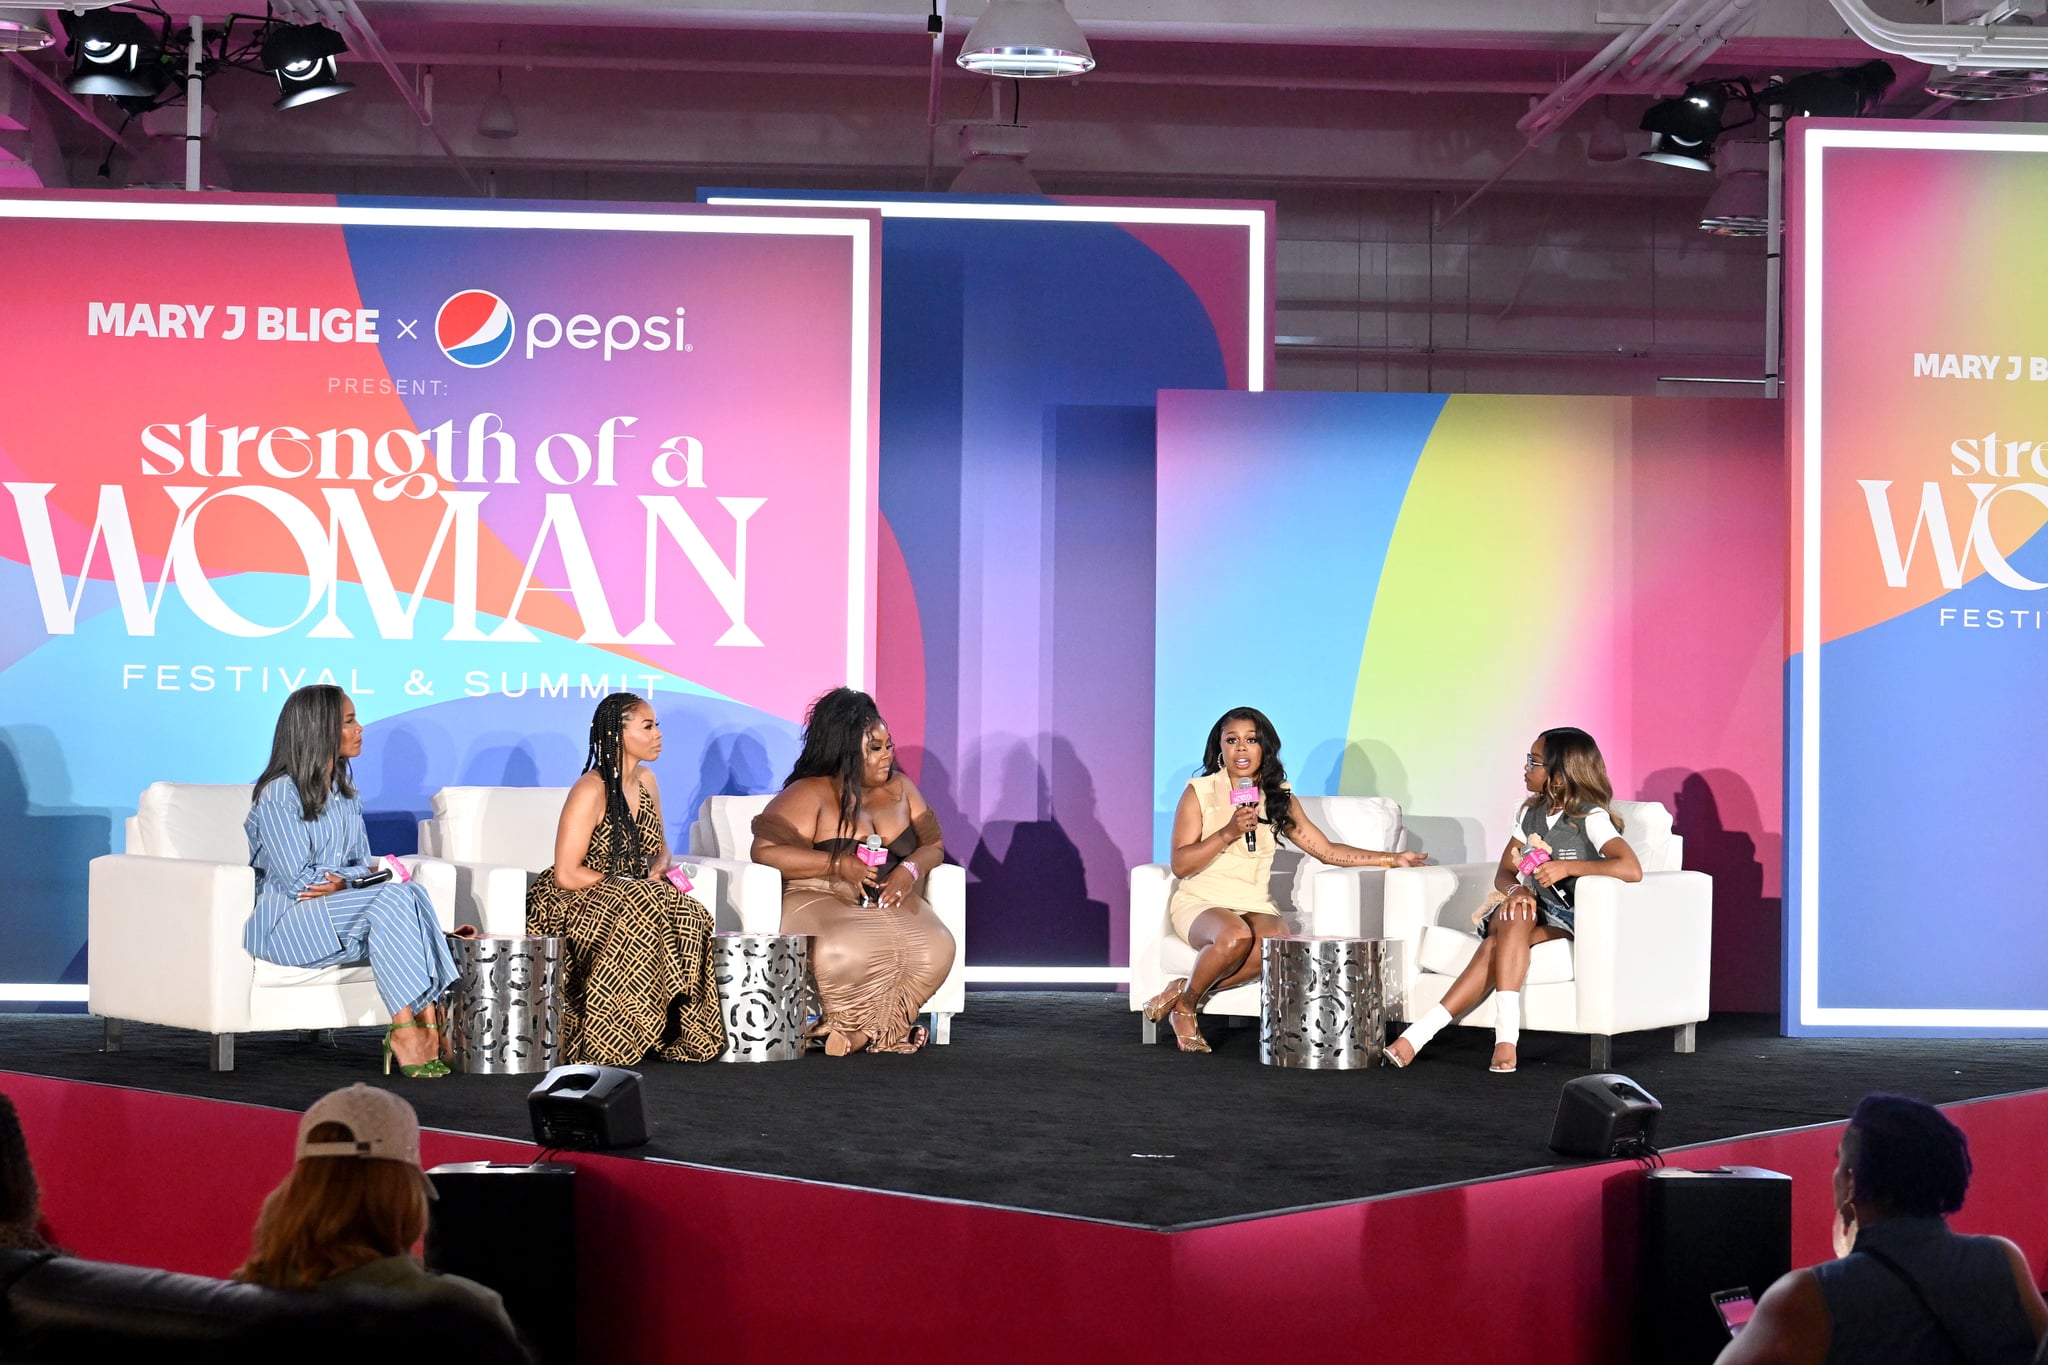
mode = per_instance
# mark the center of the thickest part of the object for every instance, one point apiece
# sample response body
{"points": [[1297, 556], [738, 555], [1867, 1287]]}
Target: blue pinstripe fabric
{"points": [[393, 926]]}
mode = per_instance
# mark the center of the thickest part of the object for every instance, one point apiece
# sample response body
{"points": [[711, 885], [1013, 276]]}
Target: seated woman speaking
{"points": [[1221, 906], [878, 949], [309, 848], [638, 976]]}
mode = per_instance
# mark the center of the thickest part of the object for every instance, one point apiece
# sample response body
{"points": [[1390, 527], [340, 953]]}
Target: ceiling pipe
{"points": [[375, 46]]}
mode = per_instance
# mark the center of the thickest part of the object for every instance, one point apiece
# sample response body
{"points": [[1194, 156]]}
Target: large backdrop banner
{"points": [[1916, 653], [1413, 585], [479, 466]]}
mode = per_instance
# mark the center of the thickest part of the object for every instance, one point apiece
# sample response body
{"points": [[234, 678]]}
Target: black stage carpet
{"points": [[1046, 1101]]}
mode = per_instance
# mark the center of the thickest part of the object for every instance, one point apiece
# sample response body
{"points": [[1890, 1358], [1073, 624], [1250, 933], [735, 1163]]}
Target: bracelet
{"points": [[1391, 861], [914, 874]]}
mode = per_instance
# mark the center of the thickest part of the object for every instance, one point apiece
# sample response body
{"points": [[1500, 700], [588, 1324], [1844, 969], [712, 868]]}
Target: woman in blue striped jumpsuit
{"points": [[305, 852]]}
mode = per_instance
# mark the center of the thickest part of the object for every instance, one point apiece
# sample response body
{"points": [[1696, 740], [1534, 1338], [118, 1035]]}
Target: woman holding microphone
{"points": [[1223, 858]]}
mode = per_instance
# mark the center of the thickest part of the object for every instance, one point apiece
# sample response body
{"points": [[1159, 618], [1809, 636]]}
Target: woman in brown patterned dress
{"points": [[638, 974], [877, 947]]}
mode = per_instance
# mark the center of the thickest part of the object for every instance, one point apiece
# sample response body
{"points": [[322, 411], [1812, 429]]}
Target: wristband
{"points": [[914, 874]]}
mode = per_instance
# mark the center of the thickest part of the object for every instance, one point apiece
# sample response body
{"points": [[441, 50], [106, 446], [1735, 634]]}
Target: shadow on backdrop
{"points": [[1713, 811], [1028, 900], [49, 847]]}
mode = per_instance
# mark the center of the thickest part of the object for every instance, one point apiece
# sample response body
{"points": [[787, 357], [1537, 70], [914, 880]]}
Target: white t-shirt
{"points": [[1599, 826]]}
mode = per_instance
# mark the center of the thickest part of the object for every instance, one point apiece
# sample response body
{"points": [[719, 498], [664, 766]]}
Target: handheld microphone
{"points": [[873, 854], [1246, 793]]}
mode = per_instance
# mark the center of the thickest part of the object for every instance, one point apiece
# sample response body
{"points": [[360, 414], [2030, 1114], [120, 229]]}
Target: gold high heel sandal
{"points": [[1188, 1039], [1157, 1007]]}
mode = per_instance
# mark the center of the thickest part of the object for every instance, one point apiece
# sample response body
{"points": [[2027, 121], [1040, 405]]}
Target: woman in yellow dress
{"points": [[1223, 859]]}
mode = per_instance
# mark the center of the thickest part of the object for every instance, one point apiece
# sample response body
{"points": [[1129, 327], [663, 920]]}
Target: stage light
{"points": [[21, 30], [1846, 92], [1026, 38], [1740, 204], [1682, 130], [497, 118], [303, 57], [113, 53], [1607, 143]]}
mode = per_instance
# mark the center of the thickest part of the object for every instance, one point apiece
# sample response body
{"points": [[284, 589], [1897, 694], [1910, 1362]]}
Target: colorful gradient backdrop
{"points": [[1435, 579], [1927, 724], [777, 384]]}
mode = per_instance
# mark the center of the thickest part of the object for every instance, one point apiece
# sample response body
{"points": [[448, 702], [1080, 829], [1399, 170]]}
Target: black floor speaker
{"points": [[1704, 1232], [588, 1108], [513, 1229], [1605, 1115]]}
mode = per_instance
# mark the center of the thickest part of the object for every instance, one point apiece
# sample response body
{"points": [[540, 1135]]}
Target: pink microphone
{"points": [[1246, 793]]}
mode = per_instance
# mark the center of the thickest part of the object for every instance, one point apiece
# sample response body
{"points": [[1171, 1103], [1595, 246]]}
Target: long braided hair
{"points": [[608, 758], [835, 739]]}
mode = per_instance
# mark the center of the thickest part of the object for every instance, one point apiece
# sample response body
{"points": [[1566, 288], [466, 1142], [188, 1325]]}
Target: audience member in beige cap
{"points": [[355, 1206]]}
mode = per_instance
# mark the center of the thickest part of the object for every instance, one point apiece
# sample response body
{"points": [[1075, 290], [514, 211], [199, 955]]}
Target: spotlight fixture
{"points": [[303, 58], [497, 118], [1847, 92], [1682, 131], [1026, 38], [1740, 203], [113, 53]]}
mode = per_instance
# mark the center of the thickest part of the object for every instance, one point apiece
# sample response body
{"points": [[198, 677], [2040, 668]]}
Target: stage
{"points": [[1047, 1102]]}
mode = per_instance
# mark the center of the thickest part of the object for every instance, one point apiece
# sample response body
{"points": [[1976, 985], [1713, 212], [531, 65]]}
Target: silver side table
{"points": [[505, 1008], [1322, 1002], [766, 992]]}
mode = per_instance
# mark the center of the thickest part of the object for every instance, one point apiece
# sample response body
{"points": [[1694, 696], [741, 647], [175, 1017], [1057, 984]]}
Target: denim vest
{"points": [[1567, 839]]}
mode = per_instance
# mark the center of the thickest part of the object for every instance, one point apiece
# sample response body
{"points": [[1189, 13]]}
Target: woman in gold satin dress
{"points": [[1221, 906], [877, 948]]}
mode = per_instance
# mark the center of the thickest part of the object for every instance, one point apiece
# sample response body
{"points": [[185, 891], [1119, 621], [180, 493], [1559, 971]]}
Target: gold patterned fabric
{"points": [[637, 978]]}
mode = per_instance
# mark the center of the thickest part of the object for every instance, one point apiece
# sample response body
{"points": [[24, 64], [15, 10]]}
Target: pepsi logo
{"points": [[475, 328]]}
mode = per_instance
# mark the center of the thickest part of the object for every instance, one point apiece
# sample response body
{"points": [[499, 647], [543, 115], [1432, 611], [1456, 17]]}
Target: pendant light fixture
{"points": [[1025, 39]]}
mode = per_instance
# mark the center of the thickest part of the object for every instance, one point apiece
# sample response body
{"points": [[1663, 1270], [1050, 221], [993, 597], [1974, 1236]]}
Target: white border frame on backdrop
{"points": [[1815, 143], [1253, 221], [858, 231]]}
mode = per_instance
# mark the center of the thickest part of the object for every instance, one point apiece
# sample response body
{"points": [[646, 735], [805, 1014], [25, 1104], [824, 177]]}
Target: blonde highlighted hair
{"points": [[333, 1214], [1575, 777]]}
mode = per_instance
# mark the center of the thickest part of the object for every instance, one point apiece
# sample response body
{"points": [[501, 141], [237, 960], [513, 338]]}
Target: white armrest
{"points": [[430, 839], [167, 941], [947, 894], [743, 897], [1643, 951], [1348, 902], [1151, 889], [438, 879], [492, 896]]}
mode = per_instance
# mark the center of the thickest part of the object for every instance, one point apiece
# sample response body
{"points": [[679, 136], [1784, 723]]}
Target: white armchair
{"points": [[723, 836], [498, 839], [1639, 959], [165, 922], [1319, 900]]}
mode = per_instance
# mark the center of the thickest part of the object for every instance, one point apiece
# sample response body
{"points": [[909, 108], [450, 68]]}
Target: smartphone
{"points": [[1736, 1308], [382, 874]]}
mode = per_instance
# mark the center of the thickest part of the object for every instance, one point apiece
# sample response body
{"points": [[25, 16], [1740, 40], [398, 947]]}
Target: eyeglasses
{"points": [[1529, 763]]}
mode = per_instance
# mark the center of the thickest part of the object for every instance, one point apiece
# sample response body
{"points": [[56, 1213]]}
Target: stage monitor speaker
{"points": [[588, 1108], [1605, 1115], [513, 1229], [1703, 1233]]}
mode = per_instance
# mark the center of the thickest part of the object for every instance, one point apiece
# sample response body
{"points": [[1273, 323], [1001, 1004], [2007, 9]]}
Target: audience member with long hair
{"points": [[1221, 905], [354, 1207], [308, 845], [877, 948], [1904, 1290], [1564, 830], [21, 1204], [638, 976]]}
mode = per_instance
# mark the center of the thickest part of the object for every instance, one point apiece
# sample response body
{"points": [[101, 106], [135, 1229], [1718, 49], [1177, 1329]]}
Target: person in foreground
{"points": [[638, 974], [1565, 830], [354, 1207], [1905, 1290], [878, 949], [21, 1205], [1221, 906], [310, 850]]}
